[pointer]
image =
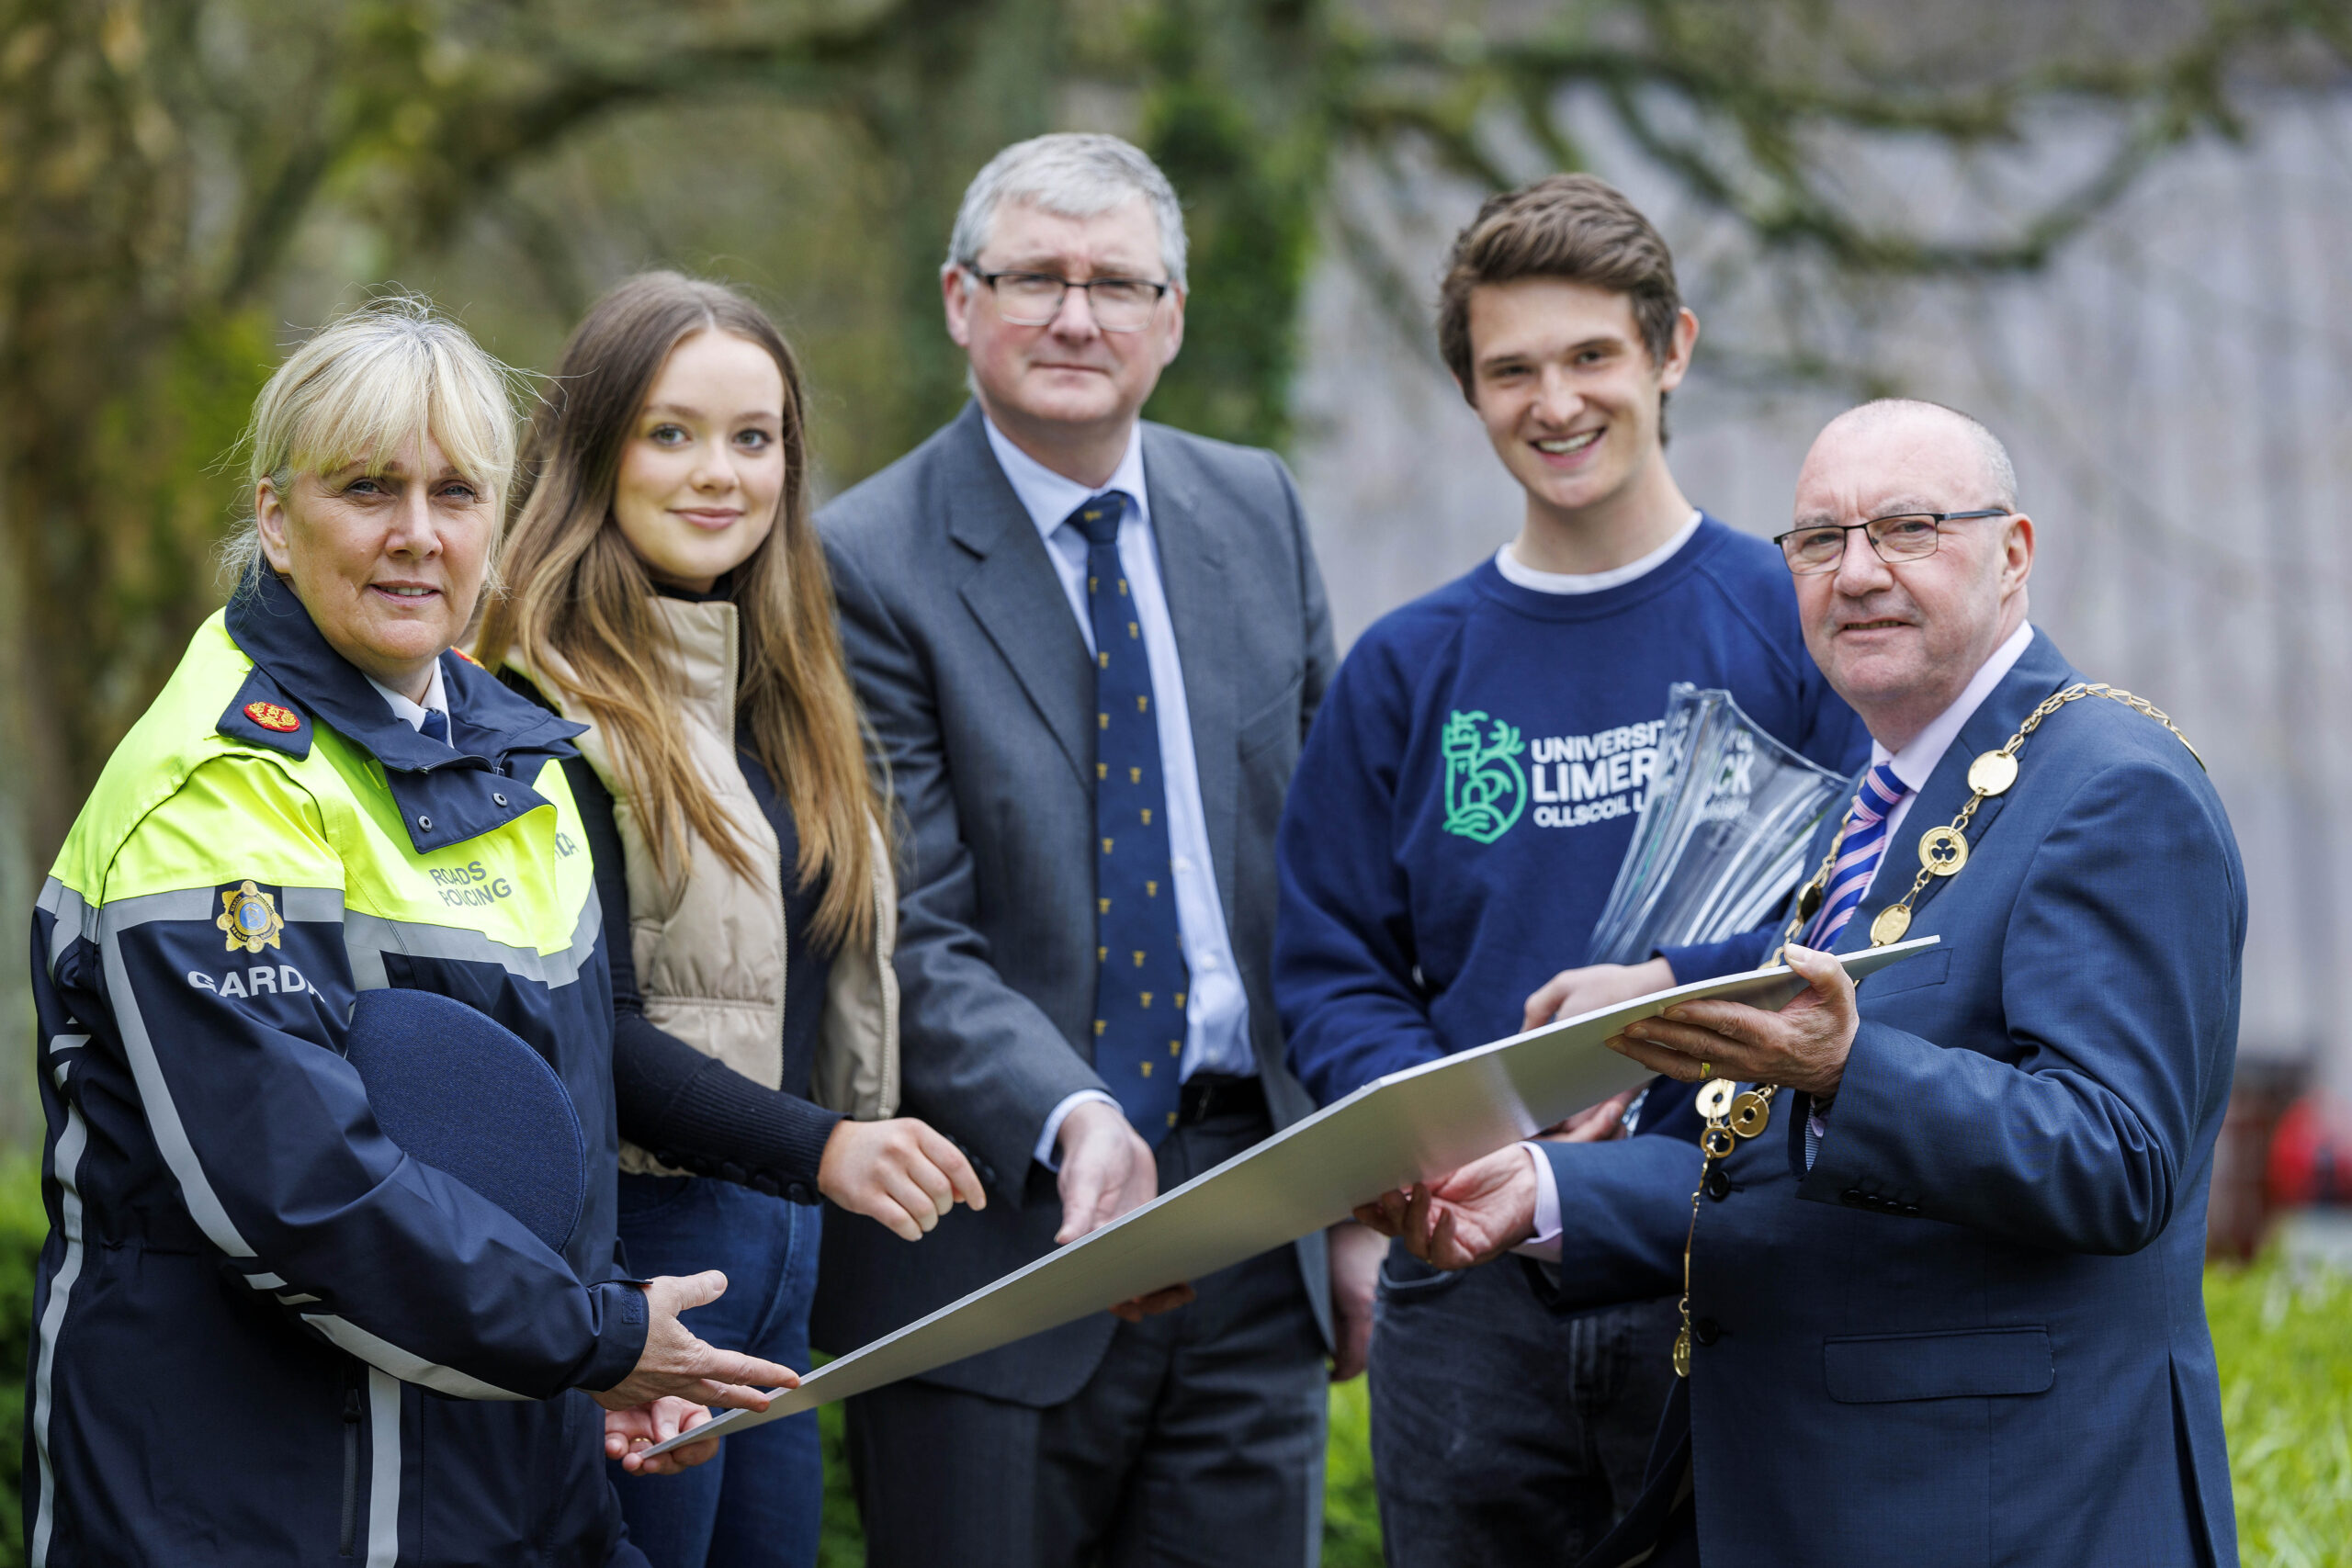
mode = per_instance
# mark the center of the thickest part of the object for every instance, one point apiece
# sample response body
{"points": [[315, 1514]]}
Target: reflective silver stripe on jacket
{"points": [[188, 904], [378, 1351], [302, 903], [370, 937], [68, 1167], [73, 915]]}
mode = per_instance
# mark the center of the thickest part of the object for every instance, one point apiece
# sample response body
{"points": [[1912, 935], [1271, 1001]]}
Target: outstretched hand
{"points": [[1601, 1123], [1167, 1298], [1106, 1169], [1573, 992], [629, 1432], [1804, 1047], [1478, 1213], [1356, 1256], [901, 1172], [675, 1364]]}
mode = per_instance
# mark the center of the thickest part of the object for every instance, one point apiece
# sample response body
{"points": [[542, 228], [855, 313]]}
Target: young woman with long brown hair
{"points": [[666, 589]]}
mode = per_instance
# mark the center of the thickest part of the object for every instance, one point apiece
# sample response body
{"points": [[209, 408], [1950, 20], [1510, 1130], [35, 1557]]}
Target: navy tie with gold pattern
{"points": [[1140, 976]]}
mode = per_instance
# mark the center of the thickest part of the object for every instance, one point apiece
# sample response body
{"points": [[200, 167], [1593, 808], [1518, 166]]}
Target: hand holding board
{"points": [[1410, 1126]]}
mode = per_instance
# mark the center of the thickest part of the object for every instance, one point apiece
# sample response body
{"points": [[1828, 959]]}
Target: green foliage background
{"points": [[2283, 1336], [23, 1228]]}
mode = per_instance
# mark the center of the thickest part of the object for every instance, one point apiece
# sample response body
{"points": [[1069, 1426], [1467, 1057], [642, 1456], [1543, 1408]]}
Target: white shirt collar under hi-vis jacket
{"points": [[263, 1333]]}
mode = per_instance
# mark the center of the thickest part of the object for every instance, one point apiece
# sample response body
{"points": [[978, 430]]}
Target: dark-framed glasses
{"points": [[1906, 536], [1034, 299]]}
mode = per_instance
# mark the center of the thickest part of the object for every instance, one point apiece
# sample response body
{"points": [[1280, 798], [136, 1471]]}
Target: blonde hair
{"points": [[581, 592], [362, 387]]}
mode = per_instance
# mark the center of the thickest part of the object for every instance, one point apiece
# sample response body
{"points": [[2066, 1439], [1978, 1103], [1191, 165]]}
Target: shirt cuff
{"points": [[1046, 1152], [1545, 1242], [1816, 1127]]}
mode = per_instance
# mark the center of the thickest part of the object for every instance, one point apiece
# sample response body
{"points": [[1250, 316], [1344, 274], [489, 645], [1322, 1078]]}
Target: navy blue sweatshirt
{"points": [[1471, 785]]}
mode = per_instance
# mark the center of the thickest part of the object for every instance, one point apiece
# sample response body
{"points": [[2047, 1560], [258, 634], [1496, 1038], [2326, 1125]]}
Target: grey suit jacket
{"points": [[977, 681]]}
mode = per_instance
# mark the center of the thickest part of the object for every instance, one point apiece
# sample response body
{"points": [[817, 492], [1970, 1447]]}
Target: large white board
{"points": [[1410, 1126]]}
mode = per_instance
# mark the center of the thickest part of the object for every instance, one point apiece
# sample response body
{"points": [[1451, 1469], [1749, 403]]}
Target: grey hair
{"points": [[360, 389], [1071, 175], [2000, 474]]}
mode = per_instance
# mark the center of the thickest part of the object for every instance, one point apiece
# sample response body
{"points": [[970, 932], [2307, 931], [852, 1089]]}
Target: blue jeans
{"points": [[1503, 1433], [760, 1501]]}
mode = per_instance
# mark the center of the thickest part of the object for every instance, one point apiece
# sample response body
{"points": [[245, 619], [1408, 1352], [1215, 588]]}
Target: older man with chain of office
{"points": [[1942, 1269]]}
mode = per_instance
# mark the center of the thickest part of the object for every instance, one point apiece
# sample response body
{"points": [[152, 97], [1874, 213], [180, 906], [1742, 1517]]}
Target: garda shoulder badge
{"points": [[249, 916], [269, 716]]}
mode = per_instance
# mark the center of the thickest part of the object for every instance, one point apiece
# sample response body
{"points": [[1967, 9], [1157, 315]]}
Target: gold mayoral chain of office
{"points": [[1733, 1115]]}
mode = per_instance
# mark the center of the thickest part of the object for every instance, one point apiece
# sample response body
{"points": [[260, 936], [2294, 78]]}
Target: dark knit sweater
{"points": [[679, 1105], [684, 1108]]}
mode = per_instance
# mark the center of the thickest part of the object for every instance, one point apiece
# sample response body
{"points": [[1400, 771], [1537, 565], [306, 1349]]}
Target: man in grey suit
{"points": [[1090, 649]]}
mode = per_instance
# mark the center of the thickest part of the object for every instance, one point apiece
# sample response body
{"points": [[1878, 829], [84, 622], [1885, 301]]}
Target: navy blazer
{"points": [[1973, 1333]]}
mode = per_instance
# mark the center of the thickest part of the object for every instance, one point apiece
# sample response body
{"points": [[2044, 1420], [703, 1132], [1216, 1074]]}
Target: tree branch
{"points": [[1772, 118]]}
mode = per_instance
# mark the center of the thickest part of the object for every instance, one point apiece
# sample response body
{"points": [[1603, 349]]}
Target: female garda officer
{"points": [[668, 589], [265, 1334]]}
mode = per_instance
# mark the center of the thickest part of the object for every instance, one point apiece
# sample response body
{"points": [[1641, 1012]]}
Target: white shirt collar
{"points": [[1917, 762], [436, 700], [1514, 571], [1049, 497]]}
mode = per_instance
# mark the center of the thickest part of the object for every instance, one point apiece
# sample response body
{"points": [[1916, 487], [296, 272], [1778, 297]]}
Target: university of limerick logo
{"points": [[1486, 789]]}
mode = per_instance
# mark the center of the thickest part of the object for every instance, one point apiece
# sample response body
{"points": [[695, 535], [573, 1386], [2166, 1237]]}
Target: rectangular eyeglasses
{"points": [[1906, 536], [1034, 299]]}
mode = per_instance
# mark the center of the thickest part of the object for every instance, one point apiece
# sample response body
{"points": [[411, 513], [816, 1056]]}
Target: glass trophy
{"points": [[1722, 835]]}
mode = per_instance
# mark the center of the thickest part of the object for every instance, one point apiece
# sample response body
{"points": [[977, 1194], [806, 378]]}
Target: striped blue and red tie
{"points": [[1858, 854]]}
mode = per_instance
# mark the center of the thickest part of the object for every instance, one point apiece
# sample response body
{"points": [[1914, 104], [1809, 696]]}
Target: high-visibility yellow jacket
{"points": [[265, 1334]]}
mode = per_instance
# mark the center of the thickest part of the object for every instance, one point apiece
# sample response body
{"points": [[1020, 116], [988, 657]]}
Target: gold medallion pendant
{"points": [[1892, 922], [1750, 1115], [1681, 1353], [1715, 1099], [1993, 772], [1943, 850]]}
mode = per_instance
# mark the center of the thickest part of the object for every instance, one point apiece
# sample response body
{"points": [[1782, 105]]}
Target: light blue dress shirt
{"points": [[1216, 1012]]}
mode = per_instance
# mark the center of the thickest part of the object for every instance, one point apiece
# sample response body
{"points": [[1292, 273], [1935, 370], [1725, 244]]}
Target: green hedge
{"points": [[23, 1228], [2284, 1338]]}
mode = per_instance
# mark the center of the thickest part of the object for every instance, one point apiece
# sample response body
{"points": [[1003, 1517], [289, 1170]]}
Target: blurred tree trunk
{"points": [[1241, 115], [93, 196], [157, 160], [969, 77]]}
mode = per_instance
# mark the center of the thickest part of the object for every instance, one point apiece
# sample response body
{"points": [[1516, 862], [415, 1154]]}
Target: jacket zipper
{"points": [[352, 1411]]}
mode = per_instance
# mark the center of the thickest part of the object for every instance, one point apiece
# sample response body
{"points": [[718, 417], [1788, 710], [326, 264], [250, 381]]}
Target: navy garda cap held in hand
{"points": [[462, 1093]]}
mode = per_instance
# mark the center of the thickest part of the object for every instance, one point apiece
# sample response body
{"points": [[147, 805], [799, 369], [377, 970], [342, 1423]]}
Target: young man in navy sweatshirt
{"points": [[1459, 815]]}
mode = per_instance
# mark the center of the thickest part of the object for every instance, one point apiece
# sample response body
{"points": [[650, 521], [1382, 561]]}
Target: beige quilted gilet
{"points": [[709, 946]]}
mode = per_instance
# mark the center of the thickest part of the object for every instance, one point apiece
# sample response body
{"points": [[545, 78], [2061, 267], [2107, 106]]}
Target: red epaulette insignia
{"points": [[269, 716]]}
